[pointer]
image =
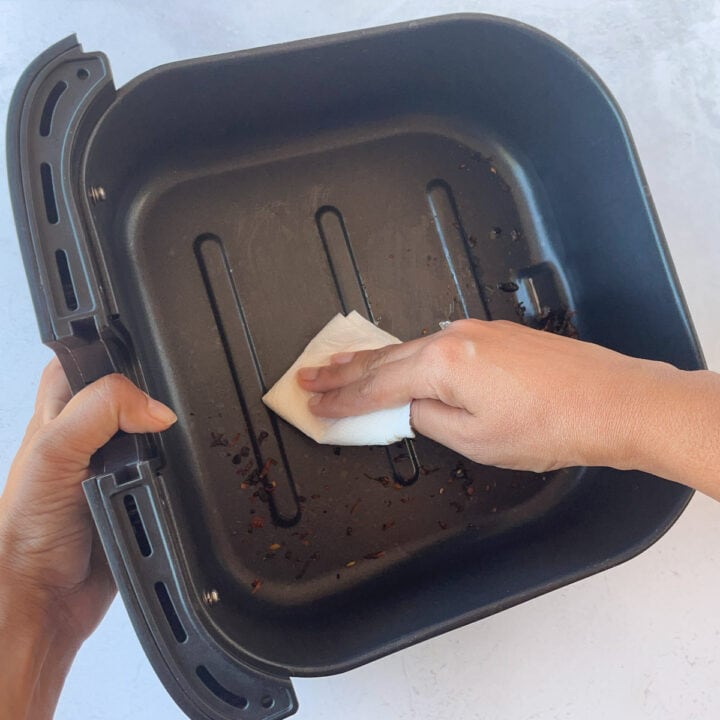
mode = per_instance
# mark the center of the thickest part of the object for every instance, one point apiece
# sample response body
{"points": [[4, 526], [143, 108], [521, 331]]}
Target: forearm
{"points": [[55, 584], [682, 439], [51, 680], [672, 425], [35, 655]]}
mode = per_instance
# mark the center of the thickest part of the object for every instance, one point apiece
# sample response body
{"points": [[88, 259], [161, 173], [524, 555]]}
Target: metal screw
{"points": [[210, 597], [97, 194]]}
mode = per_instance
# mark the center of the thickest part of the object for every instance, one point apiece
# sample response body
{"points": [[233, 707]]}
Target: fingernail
{"points": [[161, 413], [314, 400], [308, 374], [342, 358]]}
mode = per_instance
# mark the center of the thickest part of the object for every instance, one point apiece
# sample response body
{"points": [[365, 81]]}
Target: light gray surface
{"points": [[639, 641]]}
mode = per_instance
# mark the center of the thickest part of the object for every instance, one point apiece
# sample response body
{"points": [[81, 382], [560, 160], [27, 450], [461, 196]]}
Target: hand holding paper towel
{"points": [[290, 401]]}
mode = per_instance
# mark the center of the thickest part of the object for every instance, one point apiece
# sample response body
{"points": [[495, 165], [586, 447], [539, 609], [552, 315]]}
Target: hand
{"points": [[55, 585], [501, 394]]}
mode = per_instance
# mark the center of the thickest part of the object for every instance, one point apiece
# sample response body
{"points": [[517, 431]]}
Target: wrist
{"points": [[663, 421], [35, 652], [682, 430], [630, 407], [25, 646], [24, 604]]}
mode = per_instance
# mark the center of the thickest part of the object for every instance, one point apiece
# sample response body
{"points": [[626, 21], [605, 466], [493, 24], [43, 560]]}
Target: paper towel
{"points": [[290, 401]]}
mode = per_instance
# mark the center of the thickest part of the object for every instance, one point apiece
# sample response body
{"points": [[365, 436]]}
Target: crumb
{"points": [[218, 440], [374, 555]]}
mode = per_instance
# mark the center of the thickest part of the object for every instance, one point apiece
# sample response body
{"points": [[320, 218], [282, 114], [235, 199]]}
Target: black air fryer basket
{"points": [[196, 228]]}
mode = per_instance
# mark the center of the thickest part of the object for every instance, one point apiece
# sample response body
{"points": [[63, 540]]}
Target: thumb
{"points": [[92, 417], [440, 422]]}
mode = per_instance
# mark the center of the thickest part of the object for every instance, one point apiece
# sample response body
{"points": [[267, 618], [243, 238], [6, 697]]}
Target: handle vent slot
{"points": [[220, 691], [171, 615], [48, 189], [66, 279], [137, 525], [49, 108]]}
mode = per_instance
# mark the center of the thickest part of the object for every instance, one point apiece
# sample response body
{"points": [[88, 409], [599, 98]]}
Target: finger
{"points": [[346, 368], [397, 351], [53, 392], [390, 385], [50, 382], [93, 416], [442, 423]]}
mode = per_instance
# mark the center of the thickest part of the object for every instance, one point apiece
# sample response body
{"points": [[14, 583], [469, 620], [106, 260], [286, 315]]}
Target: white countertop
{"points": [[639, 641]]}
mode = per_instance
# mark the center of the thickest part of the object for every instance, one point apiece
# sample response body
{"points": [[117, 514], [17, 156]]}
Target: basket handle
{"points": [[206, 680]]}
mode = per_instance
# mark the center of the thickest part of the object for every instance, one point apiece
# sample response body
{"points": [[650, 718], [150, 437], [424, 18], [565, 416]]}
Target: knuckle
{"points": [[465, 325], [325, 374], [110, 386], [444, 350], [44, 441], [50, 445], [472, 326], [374, 359], [365, 386]]}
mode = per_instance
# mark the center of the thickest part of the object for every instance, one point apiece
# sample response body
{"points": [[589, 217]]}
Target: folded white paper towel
{"points": [[290, 401]]}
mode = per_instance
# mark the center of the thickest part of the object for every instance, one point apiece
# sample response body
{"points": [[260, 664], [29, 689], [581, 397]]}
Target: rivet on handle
{"points": [[96, 194]]}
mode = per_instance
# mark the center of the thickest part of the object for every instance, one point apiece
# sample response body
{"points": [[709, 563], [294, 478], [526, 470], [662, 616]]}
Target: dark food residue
{"points": [[305, 566], [374, 555], [384, 480], [556, 321], [218, 440], [428, 471], [266, 468]]}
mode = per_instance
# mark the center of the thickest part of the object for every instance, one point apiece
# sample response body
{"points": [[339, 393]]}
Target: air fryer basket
{"points": [[196, 228]]}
